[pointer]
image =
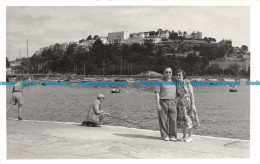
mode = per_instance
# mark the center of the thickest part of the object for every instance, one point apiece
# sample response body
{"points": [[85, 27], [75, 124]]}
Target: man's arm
{"points": [[96, 108], [157, 97]]}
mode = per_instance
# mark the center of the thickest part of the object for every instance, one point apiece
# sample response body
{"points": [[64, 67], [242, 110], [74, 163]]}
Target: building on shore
{"points": [[197, 35], [14, 66], [118, 36], [163, 34], [152, 40], [104, 40], [146, 34], [10, 71], [135, 39], [15, 63]]}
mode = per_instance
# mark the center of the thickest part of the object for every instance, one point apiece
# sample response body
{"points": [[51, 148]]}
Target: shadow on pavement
{"points": [[138, 136]]}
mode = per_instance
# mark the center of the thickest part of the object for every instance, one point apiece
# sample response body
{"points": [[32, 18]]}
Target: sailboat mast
{"points": [[27, 56], [19, 53], [104, 62]]}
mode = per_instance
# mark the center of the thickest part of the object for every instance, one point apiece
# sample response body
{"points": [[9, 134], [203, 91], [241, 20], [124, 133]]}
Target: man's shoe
{"points": [[166, 139], [20, 118], [173, 139]]}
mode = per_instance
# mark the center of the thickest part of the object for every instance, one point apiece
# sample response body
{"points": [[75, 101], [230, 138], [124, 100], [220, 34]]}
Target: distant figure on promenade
{"points": [[166, 106], [187, 117], [17, 96], [94, 113]]}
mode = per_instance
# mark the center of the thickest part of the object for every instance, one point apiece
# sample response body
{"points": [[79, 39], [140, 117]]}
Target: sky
{"points": [[44, 26]]}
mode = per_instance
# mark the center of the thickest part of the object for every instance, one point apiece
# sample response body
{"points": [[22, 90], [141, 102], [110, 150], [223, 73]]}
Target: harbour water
{"points": [[222, 113]]}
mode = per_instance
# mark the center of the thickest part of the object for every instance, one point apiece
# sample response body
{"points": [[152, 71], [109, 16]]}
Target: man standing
{"points": [[94, 113], [166, 106]]}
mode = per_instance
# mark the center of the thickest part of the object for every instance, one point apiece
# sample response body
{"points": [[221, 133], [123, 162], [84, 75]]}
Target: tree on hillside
{"points": [[7, 63], [173, 36], [135, 47], [68, 61], [181, 37], [192, 59], [66, 64], [214, 69], [37, 63], [159, 30], [179, 33], [196, 69], [211, 39], [96, 37], [221, 51], [234, 67], [244, 48], [195, 48], [149, 49], [89, 37], [152, 33], [98, 52], [229, 71], [83, 60], [82, 40]]}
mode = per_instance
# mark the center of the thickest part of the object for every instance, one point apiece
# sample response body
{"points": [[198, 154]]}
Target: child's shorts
{"points": [[17, 98]]}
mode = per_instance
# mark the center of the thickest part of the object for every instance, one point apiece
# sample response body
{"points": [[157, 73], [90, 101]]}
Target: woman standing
{"points": [[187, 117], [165, 96]]}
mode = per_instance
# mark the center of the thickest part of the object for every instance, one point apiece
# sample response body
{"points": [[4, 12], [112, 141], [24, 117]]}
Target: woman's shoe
{"points": [[183, 139], [188, 140]]}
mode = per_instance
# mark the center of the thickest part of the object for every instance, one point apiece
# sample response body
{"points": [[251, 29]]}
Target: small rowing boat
{"points": [[232, 88], [116, 90]]}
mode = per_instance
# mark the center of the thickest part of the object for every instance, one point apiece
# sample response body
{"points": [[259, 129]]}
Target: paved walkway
{"points": [[54, 140]]}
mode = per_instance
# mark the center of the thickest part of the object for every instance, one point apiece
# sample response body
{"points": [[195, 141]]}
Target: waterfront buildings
{"points": [[118, 36]]}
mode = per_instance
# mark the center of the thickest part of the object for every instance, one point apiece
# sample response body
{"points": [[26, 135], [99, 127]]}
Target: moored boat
{"points": [[229, 80], [120, 80], [232, 90], [115, 90], [213, 80]]}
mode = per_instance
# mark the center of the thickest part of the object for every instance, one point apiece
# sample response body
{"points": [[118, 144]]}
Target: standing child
{"points": [[17, 96]]}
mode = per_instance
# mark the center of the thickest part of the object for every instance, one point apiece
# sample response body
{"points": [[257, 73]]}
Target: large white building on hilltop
{"points": [[118, 36]]}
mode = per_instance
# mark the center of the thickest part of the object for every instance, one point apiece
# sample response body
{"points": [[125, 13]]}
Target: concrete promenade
{"points": [[55, 140]]}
